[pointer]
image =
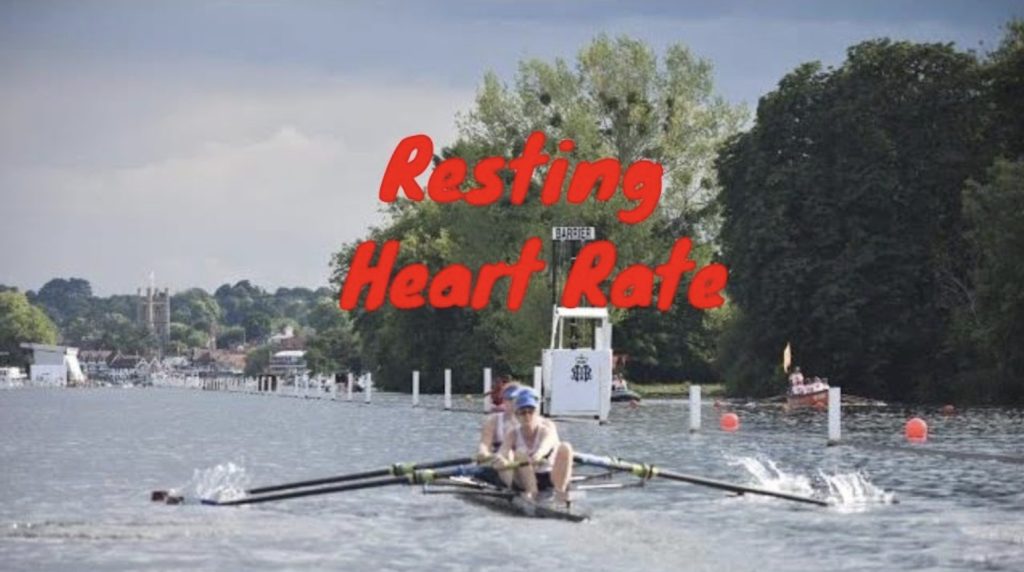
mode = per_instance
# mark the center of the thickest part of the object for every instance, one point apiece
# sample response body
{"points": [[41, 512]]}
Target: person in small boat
{"points": [[618, 383], [796, 379], [547, 461]]}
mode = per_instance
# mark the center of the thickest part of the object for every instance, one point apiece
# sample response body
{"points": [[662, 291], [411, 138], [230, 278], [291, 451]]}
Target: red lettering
{"points": [[678, 264], [527, 264], [552, 189], [361, 274], [587, 174], [491, 185], [593, 265], [706, 285], [642, 182], [525, 164], [446, 179], [488, 275], [407, 287], [451, 287], [632, 287], [403, 168]]}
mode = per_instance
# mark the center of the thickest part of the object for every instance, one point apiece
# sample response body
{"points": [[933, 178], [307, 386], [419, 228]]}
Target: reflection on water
{"points": [[77, 467]]}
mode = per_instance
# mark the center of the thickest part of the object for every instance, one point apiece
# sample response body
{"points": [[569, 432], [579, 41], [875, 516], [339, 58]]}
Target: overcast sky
{"points": [[209, 142]]}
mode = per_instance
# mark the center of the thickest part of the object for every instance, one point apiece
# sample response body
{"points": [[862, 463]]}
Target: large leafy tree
{"points": [[22, 322], [619, 100], [840, 205]]}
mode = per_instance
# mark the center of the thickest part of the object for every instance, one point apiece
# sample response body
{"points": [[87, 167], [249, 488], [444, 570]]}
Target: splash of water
{"points": [[854, 490], [847, 491], [223, 482]]}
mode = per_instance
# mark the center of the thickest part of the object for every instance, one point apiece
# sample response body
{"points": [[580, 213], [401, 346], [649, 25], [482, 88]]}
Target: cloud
{"points": [[261, 175]]}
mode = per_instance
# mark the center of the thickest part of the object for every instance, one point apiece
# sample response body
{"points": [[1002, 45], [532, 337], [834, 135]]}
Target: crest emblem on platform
{"points": [[582, 372]]}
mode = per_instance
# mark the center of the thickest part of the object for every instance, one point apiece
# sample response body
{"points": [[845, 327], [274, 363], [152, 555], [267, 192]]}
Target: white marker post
{"points": [[368, 386], [694, 408], [487, 390], [447, 389], [538, 374], [348, 388], [835, 405], [415, 388]]}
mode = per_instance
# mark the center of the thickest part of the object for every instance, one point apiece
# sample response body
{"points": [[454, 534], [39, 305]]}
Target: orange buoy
{"points": [[730, 422], [916, 430]]}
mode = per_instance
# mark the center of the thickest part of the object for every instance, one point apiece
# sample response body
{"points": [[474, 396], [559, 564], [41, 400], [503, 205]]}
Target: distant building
{"points": [[53, 365], [288, 364], [96, 363], [153, 312]]}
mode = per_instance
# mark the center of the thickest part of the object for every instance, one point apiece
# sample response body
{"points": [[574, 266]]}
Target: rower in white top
{"points": [[534, 443]]}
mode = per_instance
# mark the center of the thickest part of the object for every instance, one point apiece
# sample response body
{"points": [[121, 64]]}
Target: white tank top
{"points": [[544, 466], [500, 428]]}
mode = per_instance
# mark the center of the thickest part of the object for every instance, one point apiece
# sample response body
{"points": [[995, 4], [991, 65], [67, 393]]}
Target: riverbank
{"points": [[674, 390]]}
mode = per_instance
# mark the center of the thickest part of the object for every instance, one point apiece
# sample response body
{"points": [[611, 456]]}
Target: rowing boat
{"points": [[482, 493]]}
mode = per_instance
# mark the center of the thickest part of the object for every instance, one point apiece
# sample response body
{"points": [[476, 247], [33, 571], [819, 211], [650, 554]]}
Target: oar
{"points": [[395, 470], [416, 477], [649, 471]]}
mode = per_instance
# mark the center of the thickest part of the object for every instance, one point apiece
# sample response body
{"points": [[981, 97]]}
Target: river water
{"points": [[77, 468]]}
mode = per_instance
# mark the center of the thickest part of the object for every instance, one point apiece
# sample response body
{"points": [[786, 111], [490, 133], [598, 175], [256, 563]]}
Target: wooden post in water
{"points": [[487, 390], [415, 388], [348, 388], [835, 406], [447, 389], [694, 408]]}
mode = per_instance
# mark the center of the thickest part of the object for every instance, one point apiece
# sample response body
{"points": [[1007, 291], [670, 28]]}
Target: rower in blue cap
{"points": [[545, 462]]}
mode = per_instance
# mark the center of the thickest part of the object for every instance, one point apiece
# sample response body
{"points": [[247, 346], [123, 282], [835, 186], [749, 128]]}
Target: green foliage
{"points": [[620, 101], [334, 348], [841, 205], [995, 214], [22, 322], [257, 360]]}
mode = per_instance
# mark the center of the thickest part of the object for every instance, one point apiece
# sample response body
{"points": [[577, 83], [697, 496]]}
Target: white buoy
{"points": [[694, 408], [487, 390], [348, 388], [415, 388], [835, 405], [447, 389]]}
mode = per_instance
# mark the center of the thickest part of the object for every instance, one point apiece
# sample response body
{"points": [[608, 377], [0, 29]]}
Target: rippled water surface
{"points": [[77, 467]]}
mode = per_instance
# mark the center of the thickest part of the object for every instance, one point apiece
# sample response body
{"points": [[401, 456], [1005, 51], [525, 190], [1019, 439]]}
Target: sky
{"points": [[204, 143]]}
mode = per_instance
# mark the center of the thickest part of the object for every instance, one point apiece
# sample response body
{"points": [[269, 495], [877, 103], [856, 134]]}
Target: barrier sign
{"points": [[573, 233]]}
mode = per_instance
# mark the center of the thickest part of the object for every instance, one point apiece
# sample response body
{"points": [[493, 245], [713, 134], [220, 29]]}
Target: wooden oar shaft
{"points": [[396, 470], [649, 471]]}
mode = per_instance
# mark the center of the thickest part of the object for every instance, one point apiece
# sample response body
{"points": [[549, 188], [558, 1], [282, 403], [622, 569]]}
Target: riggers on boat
{"points": [[483, 493]]}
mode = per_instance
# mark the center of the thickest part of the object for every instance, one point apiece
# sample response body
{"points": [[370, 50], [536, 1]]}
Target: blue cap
{"points": [[526, 398], [510, 392]]}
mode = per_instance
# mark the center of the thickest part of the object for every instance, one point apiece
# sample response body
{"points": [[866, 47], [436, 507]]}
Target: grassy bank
{"points": [[679, 389]]}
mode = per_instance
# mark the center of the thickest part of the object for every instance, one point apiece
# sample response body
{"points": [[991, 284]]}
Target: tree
{"points": [[334, 347], [257, 360], [65, 300], [840, 206], [995, 214], [619, 101], [21, 322]]}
